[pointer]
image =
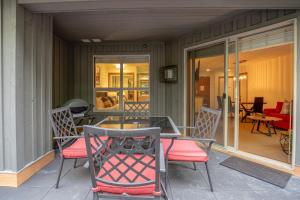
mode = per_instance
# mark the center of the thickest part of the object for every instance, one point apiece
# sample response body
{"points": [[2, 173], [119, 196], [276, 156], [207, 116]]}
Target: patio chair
{"points": [[220, 102], [126, 165], [136, 109], [188, 149], [70, 142]]}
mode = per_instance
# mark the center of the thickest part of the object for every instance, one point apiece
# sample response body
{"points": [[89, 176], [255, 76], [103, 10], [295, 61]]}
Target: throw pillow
{"points": [[99, 103], [107, 103], [285, 108]]}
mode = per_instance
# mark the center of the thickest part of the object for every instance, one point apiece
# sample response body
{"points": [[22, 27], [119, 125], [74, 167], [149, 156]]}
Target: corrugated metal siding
{"points": [[37, 86], [83, 62], [25, 133], [63, 72]]}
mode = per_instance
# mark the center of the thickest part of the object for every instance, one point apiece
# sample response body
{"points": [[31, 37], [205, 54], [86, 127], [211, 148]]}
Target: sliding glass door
{"points": [[120, 79], [251, 79]]}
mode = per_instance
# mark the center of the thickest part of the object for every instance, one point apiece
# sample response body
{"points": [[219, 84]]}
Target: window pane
{"points": [[107, 100], [107, 75], [136, 75]]}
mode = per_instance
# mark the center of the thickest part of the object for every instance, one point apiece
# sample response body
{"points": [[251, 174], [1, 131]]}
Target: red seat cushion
{"points": [[77, 149], [184, 150], [131, 174]]}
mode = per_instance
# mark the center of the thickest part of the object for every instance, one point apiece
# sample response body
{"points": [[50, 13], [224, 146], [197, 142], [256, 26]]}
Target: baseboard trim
{"points": [[15, 179]]}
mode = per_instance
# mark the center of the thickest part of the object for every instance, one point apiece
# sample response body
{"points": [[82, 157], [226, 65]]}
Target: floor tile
{"points": [[186, 184], [25, 194]]}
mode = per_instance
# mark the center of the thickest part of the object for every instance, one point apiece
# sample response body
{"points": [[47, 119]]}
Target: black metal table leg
{"points": [[254, 123], [274, 127], [258, 125]]}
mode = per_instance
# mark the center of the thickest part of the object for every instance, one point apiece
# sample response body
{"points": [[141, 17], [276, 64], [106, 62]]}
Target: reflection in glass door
{"points": [[206, 86]]}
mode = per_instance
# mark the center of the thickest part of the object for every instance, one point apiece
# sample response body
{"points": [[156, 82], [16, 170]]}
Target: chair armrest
{"points": [[162, 159], [68, 137], [185, 127]]}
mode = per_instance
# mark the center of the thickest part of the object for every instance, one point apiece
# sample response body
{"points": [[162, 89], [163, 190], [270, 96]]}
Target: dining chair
{"points": [[126, 165], [231, 107], [196, 148], [220, 102], [70, 141], [136, 109], [256, 108]]}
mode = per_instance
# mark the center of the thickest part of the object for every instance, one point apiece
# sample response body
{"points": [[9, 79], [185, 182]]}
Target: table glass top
{"points": [[168, 128]]}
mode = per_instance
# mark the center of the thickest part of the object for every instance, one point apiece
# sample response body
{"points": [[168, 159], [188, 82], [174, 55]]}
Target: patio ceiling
{"points": [[88, 5], [129, 20], [134, 24]]}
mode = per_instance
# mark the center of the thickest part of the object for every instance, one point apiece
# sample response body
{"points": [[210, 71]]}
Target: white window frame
{"points": [[118, 59]]}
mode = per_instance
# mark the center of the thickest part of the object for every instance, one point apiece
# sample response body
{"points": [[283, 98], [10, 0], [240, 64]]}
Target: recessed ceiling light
{"points": [[86, 40], [96, 40], [208, 70]]}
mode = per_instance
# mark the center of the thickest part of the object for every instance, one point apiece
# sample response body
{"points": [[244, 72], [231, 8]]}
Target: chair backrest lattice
{"points": [[122, 157], [136, 109], [207, 123], [63, 125]]}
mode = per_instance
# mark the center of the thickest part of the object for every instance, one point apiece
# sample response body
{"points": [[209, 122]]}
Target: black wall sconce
{"points": [[168, 74]]}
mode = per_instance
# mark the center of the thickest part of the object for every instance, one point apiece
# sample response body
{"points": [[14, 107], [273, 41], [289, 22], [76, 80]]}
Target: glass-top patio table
{"points": [[168, 127]]}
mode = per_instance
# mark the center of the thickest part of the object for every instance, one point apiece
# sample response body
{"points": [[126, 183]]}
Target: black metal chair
{"points": [[220, 102], [70, 142], [188, 149], [126, 165], [256, 108], [231, 108], [136, 109]]}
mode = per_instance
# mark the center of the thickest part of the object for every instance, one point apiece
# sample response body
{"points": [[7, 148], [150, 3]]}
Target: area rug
{"points": [[258, 171]]}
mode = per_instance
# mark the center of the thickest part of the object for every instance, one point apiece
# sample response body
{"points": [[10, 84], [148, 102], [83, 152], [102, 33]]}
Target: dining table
{"points": [[245, 107]]}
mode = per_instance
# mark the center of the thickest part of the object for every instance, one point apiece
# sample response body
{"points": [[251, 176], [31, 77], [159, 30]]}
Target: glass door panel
{"points": [[207, 83], [136, 81], [107, 86], [120, 79], [266, 76]]}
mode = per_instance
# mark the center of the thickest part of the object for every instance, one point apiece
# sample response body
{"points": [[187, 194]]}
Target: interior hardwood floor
{"points": [[255, 143]]}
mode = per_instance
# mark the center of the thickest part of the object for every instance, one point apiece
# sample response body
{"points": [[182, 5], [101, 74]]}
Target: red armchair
{"points": [[275, 112]]}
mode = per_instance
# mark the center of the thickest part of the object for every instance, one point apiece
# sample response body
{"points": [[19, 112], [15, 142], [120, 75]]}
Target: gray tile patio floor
{"points": [[186, 184]]}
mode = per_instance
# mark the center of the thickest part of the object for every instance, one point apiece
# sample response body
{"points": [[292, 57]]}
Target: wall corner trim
{"points": [[15, 179]]}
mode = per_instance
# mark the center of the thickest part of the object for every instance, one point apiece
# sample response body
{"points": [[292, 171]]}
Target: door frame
{"points": [[235, 38]]}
